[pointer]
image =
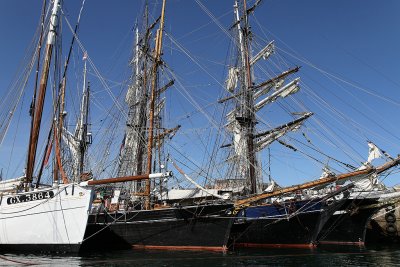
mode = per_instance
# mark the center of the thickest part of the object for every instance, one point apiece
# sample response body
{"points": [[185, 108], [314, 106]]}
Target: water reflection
{"points": [[324, 256]]}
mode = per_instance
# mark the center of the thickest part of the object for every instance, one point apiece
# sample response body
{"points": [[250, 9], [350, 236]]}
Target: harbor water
{"points": [[327, 256]]}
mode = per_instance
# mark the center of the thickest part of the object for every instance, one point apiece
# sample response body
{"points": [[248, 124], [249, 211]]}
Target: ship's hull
{"points": [[203, 227], [348, 225], [287, 225], [46, 220]]}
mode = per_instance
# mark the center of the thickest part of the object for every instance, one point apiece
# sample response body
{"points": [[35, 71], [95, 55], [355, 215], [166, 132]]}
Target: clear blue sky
{"points": [[355, 42]]}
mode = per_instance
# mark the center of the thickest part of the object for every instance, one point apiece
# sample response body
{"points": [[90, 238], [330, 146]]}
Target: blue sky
{"points": [[348, 50]]}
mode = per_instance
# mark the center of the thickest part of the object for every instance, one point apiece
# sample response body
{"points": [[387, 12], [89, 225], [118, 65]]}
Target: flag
{"points": [[374, 152]]}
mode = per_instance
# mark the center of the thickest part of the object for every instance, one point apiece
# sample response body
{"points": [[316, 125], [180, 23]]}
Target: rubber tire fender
{"points": [[390, 217]]}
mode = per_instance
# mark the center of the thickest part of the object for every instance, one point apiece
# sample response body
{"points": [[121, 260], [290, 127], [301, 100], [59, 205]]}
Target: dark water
{"points": [[329, 256]]}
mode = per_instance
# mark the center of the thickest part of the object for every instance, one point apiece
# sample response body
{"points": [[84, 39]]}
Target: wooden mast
{"points": [[39, 49], [37, 116], [157, 55]]}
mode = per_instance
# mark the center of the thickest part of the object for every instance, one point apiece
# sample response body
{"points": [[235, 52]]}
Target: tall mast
{"points": [[35, 129], [81, 128], [132, 154], [61, 115], [245, 117], [242, 119], [157, 55]]}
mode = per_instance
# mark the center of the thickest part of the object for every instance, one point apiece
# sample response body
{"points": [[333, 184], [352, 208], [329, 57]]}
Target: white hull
{"points": [[49, 216]]}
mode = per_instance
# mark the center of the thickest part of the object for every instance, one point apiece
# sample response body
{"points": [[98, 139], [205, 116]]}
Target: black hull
{"points": [[204, 227], [300, 230], [348, 225], [295, 232]]}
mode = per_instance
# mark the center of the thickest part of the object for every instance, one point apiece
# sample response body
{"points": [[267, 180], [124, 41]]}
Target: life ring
{"points": [[391, 229], [390, 217]]}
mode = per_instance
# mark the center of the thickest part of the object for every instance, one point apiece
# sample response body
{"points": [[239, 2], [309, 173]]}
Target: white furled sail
{"points": [[368, 183], [283, 92], [265, 89], [265, 53], [268, 139], [232, 80]]}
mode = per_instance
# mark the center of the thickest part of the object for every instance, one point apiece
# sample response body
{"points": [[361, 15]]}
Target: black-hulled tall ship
{"points": [[282, 217], [286, 220], [342, 221], [138, 217], [348, 225]]}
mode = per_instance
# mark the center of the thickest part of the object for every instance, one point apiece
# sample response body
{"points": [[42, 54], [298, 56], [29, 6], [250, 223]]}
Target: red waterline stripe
{"points": [[196, 248], [359, 243], [253, 245]]}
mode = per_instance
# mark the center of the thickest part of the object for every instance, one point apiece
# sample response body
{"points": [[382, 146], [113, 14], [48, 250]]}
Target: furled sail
{"points": [[232, 80], [283, 92], [265, 53], [266, 88], [268, 137]]}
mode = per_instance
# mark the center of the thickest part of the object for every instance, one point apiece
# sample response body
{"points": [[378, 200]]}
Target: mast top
{"points": [[53, 22]]}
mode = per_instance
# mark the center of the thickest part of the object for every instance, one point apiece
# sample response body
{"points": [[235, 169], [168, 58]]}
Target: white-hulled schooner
{"points": [[49, 218], [43, 218]]}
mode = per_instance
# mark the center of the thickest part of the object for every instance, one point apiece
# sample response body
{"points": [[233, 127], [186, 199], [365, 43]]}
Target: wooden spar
{"points": [[280, 127], [307, 185], [126, 179], [283, 126], [48, 146], [157, 54], [332, 178], [57, 133], [255, 87], [58, 128], [388, 165], [35, 129], [165, 87], [58, 158], [167, 132]]}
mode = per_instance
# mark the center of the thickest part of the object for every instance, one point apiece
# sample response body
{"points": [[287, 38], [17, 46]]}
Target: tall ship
{"points": [[139, 214], [291, 220], [296, 216]]}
